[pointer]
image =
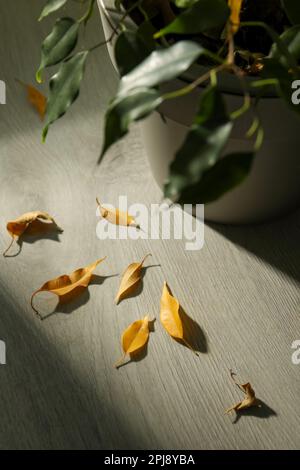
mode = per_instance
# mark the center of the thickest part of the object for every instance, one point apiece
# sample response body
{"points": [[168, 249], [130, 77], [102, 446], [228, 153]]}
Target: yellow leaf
{"points": [[130, 279], [36, 98], [67, 283], [117, 217], [235, 7], [170, 316], [134, 338], [249, 400], [17, 227]]}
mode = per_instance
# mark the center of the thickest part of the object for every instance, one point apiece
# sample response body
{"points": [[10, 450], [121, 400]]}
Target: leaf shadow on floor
{"points": [[75, 299], [36, 231], [193, 334], [262, 410]]}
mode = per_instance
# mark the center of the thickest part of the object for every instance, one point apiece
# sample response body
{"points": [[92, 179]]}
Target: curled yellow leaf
{"points": [[170, 316], [67, 283], [130, 279], [134, 338], [235, 7], [17, 227], [36, 99], [117, 217], [249, 400]]}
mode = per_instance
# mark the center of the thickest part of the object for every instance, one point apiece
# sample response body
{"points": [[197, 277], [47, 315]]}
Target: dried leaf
{"points": [[134, 338], [130, 279], [170, 316], [17, 227], [249, 400], [67, 283], [117, 217], [235, 7], [36, 98]]}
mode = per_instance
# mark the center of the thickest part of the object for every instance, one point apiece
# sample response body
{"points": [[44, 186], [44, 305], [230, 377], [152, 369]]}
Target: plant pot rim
{"points": [[227, 83]]}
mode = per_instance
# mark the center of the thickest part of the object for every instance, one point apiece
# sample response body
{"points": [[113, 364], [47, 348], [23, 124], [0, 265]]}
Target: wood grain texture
{"points": [[59, 389]]}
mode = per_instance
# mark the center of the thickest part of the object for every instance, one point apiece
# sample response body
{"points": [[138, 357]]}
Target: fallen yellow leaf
{"points": [[117, 217], [134, 338], [249, 400], [67, 283], [130, 279], [36, 98], [17, 227], [170, 316], [235, 7]]}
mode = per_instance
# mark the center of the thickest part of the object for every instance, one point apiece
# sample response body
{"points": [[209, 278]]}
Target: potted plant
{"points": [[214, 84]]}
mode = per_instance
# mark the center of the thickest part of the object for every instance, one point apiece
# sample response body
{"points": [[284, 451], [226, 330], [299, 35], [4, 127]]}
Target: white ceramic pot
{"points": [[273, 187]]}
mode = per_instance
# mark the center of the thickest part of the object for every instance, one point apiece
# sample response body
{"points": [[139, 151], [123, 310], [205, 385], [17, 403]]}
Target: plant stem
{"points": [[247, 100], [191, 86], [259, 138], [84, 19], [230, 56], [102, 43], [232, 375], [33, 308], [213, 56], [115, 30], [265, 82], [246, 105], [253, 128], [120, 362]]}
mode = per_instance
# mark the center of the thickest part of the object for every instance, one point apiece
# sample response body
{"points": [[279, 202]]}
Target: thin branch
{"points": [[191, 86]]}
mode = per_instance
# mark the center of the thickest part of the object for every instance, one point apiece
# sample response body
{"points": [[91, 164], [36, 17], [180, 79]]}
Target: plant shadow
{"points": [[37, 230], [194, 336], [276, 242], [262, 410]]}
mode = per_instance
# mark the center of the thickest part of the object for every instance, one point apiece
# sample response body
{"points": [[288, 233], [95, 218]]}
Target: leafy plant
{"points": [[166, 37]]}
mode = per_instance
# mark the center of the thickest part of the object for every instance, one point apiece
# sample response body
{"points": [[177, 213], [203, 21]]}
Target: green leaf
{"points": [[88, 14], [138, 104], [203, 16], [291, 38], [225, 175], [275, 70], [292, 10], [64, 88], [203, 145], [58, 44], [161, 65], [50, 7], [130, 51]]}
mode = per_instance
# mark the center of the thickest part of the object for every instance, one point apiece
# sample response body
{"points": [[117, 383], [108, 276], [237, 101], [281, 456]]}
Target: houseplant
{"points": [[222, 75]]}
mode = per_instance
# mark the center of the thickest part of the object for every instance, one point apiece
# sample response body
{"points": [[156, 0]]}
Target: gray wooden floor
{"points": [[58, 389]]}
